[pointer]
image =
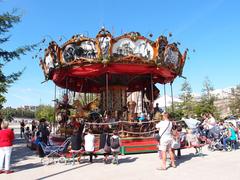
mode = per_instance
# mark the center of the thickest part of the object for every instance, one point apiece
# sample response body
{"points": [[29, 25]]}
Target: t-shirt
{"points": [[233, 136], [211, 122], [166, 126], [89, 142], [76, 142]]}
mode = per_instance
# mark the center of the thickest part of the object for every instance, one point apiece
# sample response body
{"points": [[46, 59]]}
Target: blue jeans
{"points": [[226, 140]]}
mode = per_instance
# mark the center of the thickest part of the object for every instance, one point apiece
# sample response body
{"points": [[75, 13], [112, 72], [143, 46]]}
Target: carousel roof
{"points": [[81, 64]]}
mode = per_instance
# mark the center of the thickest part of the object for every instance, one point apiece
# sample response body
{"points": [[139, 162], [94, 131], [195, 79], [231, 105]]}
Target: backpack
{"points": [[114, 143]]}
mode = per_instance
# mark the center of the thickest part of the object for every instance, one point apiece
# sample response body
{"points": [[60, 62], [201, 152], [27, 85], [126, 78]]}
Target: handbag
{"points": [[106, 147], [175, 144]]}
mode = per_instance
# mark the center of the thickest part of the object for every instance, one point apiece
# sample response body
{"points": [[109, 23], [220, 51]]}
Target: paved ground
{"points": [[213, 165]]}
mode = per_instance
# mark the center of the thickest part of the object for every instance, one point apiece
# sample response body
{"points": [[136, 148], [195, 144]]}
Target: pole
{"points": [[142, 94], [54, 118], [151, 92], [165, 100], [172, 96], [107, 92]]}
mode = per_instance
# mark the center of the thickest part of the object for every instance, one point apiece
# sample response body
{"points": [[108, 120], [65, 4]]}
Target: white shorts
{"points": [[165, 144]]}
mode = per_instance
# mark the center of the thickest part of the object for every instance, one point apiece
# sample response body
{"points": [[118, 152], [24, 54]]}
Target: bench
{"points": [[82, 153]]}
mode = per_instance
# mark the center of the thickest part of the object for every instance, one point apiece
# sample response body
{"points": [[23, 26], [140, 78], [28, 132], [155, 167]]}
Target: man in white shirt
{"points": [[89, 140], [211, 121], [165, 132]]}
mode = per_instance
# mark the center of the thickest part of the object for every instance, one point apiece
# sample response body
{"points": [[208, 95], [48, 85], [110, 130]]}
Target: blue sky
{"points": [[210, 27]]}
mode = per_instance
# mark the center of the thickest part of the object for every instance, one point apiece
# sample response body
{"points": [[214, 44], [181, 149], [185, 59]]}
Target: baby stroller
{"points": [[216, 142], [54, 151]]}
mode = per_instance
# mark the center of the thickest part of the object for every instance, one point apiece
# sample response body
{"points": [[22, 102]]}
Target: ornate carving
{"points": [[172, 56], [161, 45]]}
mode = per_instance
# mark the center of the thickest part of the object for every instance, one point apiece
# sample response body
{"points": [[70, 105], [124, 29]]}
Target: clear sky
{"points": [[211, 27]]}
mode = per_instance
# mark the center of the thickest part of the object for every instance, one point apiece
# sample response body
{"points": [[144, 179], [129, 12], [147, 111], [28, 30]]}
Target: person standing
{"points": [[22, 128], [165, 133], [42, 135], [104, 144], [89, 140], [43, 130], [34, 125], [6, 142], [115, 144]]}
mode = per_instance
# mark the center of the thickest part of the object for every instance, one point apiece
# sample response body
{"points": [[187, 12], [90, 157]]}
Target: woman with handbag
{"points": [[165, 133]]}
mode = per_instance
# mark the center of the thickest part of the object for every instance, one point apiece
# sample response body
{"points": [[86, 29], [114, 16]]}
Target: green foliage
{"points": [[7, 21], [9, 113], [188, 104], [46, 112], [206, 105], [194, 107], [235, 101]]}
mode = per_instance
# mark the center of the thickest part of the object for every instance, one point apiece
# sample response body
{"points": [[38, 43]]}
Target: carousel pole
{"points": [[165, 100], [172, 96], [151, 94], [142, 94], [107, 92], [55, 106]]}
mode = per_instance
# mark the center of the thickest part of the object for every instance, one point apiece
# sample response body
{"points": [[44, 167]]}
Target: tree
{"points": [[235, 100], [186, 96], [8, 113], [7, 21], [206, 105], [46, 112]]}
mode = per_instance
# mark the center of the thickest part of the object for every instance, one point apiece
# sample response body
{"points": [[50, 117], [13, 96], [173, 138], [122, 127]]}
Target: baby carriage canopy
{"points": [[191, 123]]}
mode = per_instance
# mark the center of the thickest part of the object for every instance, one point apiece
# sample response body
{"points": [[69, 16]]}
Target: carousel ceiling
{"points": [[81, 63]]}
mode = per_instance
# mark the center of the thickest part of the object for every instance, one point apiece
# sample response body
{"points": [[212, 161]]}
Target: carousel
{"points": [[110, 82]]}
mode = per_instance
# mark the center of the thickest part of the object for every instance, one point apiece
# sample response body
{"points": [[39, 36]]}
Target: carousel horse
{"points": [[79, 111], [92, 106]]}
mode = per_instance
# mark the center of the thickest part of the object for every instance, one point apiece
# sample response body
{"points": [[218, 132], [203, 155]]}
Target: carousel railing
{"points": [[126, 128]]}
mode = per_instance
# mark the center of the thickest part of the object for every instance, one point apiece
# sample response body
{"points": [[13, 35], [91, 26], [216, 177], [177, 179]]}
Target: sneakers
{"points": [[1, 171]]}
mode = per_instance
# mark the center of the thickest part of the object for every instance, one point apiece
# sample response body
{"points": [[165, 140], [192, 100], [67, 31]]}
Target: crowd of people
{"points": [[171, 138], [82, 141], [219, 135]]}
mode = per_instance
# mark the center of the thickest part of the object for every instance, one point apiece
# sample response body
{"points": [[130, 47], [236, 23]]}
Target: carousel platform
{"points": [[130, 145]]}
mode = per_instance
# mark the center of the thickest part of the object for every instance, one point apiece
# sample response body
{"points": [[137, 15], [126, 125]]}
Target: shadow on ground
{"points": [[58, 173], [188, 157], [85, 162], [20, 153]]}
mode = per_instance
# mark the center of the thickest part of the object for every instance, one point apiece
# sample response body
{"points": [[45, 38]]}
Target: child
{"points": [[115, 146], [89, 143], [192, 140]]}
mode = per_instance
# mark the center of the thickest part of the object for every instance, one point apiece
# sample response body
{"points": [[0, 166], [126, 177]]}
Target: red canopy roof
{"points": [[91, 78]]}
